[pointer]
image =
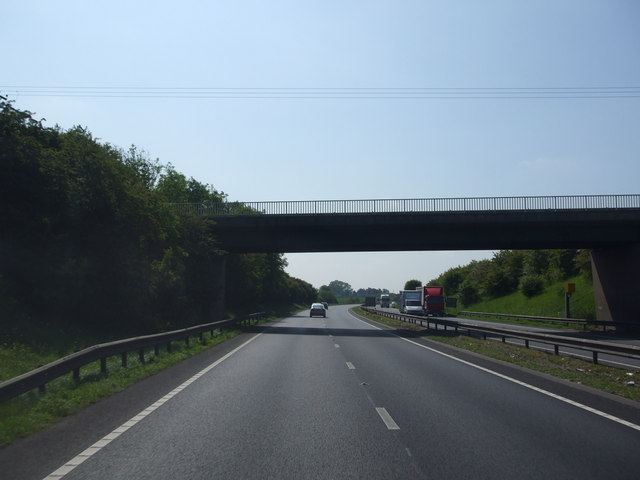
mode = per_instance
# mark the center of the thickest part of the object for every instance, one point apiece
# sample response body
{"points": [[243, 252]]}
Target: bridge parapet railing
{"points": [[412, 205]]}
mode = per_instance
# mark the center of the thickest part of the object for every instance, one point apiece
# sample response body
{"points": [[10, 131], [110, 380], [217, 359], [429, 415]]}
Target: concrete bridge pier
{"points": [[218, 275], [616, 283]]}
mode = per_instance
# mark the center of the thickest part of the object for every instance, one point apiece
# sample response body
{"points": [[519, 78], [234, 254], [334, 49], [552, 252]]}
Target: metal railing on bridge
{"points": [[412, 205]]}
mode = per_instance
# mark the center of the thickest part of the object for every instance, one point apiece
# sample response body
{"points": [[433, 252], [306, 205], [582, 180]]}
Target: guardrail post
{"points": [[124, 360], [156, 349], [76, 374], [186, 341], [141, 355], [103, 365], [168, 347], [595, 358], [556, 349], [42, 389]]}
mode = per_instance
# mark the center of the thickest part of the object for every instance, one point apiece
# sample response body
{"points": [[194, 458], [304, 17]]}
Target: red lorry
{"points": [[433, 301]]}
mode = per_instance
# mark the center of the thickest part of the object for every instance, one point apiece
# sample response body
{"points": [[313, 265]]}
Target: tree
{"points": [[502, 274], [532, 284], [412, 284], [582, 263], [299, 292], [148, 171], [369, 292], [95, 244], [468, 294], [341, 289], [536, 262], [562, 264], [174, 187], [325, 294], [450, 280]]}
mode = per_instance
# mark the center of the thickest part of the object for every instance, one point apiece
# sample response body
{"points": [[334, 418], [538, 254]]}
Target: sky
{"points": [[346, 99]]}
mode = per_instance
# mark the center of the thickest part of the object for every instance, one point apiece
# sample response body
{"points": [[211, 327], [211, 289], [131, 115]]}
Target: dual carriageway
{"points": [[344, 397]]}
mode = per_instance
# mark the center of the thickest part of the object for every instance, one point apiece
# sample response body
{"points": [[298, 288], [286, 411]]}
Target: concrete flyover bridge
{"points": [[609, 225]]}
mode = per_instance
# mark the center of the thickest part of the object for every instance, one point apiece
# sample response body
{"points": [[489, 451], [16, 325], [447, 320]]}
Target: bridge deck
{"points": [[478, 230]]}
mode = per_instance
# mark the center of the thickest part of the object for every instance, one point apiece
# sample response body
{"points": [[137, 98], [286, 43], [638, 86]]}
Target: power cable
{"points": [[348, 93]]}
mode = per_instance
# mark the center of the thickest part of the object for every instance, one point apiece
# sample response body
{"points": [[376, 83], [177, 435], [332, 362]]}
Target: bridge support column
{"points": [[616, 283], [218, 280]]}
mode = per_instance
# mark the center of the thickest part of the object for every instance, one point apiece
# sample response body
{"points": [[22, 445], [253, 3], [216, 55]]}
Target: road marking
{"points": [[104, 441], [336, 345], [386, 418], [518, 382], [350, 366]]}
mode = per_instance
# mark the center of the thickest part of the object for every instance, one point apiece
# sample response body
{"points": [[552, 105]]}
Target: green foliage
{"points": [[412, 284], [370, 292], [87, 237], [325, 294], [341, 289], [531, 285], [468, 294], [582, 263], [174, 187], [451, 280], [529, 271], [548, 303]]}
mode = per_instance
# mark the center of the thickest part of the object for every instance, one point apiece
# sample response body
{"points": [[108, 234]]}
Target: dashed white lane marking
{"points": [[350, 366], [386, 418], [518, 382], [104, 441]]}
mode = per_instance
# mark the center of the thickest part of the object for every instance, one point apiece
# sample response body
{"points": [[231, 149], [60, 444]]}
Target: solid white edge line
{"points": [[104, 441], [519, 382]]}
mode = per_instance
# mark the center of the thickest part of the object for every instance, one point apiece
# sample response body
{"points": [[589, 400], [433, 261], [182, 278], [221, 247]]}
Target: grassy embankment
{"points": [[550, 303], [30, 346]]}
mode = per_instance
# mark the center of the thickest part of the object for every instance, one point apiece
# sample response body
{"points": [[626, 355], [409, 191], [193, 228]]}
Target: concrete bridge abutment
{"points": [[616, 283]]}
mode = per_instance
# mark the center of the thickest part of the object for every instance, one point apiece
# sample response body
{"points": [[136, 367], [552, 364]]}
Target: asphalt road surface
{"points": [[339, 398]]}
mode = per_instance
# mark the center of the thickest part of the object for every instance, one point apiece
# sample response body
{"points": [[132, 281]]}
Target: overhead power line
{"points": [[324, 92]]}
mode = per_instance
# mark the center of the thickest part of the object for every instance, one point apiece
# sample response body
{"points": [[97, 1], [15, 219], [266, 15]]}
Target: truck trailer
{"points": [[433, 300], [411, 302]]}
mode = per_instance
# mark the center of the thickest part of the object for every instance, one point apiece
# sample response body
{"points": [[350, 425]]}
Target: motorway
{"points": [[334, 398]]}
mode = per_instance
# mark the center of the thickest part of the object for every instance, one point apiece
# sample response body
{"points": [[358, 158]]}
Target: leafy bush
{"points": [[532, 285]]}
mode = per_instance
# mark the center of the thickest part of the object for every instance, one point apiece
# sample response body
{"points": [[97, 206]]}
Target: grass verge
{"points": [[31, 412], [608, 379]]}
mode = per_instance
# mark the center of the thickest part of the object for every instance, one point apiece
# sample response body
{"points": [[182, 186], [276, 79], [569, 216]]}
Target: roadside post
{"points": [[569, 288]]}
